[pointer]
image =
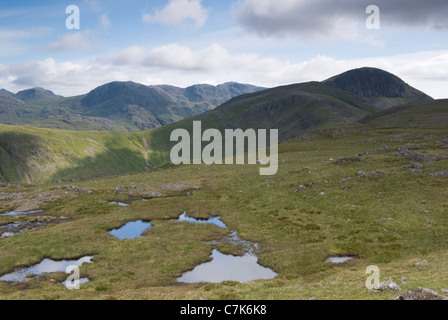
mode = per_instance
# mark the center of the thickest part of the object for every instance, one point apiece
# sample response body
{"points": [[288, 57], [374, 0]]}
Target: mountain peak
{"points": [[377, 87], [35, 94]]}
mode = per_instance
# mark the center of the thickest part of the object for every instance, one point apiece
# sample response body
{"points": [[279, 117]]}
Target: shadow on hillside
{"points": [[115, 161], [17, 149]]}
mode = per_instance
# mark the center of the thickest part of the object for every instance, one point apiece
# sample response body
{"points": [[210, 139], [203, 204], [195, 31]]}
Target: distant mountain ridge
{"points": [[116, 106]]}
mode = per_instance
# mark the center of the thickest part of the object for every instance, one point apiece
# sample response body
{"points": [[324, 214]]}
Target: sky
{"points": [[184, 42]]}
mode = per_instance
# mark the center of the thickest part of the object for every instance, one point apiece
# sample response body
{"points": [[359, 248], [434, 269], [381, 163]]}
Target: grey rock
{"points": [[421, 264], [344, 161], [74, 189], [370, 174], [413, 165], [420, 294], [345, 180], [12, 196], [7, 235], [300, 188], [387, 286], [29, 206], [442, 174]]}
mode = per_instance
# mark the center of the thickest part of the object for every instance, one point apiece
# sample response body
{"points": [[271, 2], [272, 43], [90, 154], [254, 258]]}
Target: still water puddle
{"points": [[131, 230], [44, 267], [13, 229], [228, 268], [215, 220], [121, 204], [14, 213], [339, 260]]}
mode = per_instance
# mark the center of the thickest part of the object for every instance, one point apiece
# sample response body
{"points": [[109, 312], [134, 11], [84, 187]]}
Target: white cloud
{"points": [[72, 41], [105, 21], [177, 12], [181, 66]]}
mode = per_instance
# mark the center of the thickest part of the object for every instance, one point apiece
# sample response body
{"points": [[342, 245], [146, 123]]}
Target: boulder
{"points": [[29, 206], [420, 294]]}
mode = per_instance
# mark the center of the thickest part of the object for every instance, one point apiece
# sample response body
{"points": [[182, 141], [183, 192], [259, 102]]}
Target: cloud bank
{"points": [[214, 64]]}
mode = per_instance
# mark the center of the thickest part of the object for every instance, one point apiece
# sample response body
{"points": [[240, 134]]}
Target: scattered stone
{"points": [[344, 161], [177, 186], [345, 180], [431, 221], [300, 188], [444, 290], [387, 286], [335, 283], [7, 235], [72, 189], [412, 165], [322, 194], [370, 174], [442, 174], [299, 288], [421, 264], [416, 171], [427, 159], [404, 281], [375, 151], [12, 196], [46, 197], [139, 191], [420, 294]]}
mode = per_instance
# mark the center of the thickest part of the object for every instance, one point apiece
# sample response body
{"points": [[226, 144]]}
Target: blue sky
{"points": [[183, 42]]}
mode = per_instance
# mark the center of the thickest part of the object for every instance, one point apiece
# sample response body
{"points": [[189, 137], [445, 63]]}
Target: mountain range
{"points": [[365, 96], [116, 106]]}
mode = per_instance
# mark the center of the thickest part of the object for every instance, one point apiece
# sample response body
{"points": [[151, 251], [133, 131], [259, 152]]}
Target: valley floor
{"points": [[378, 195]]}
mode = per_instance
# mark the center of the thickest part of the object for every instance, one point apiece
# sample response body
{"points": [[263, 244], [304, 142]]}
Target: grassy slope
{"points": [[421, 114], [296, 231], [40, 155]]}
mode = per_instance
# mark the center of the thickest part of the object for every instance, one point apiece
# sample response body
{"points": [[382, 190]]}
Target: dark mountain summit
{"points": [[35, 94], [377, 87]]}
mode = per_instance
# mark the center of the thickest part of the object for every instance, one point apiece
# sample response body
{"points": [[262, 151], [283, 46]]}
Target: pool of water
{"points": [[215, 220], [14, 213], [13, 229], [228, 268], [44, 267], [121, 204], [339, 260], [131, 230]]}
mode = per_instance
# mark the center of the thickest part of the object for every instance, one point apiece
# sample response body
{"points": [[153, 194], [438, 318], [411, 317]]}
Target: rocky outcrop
{"points": [[420, 294]]}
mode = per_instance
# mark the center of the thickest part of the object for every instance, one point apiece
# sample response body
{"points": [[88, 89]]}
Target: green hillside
{"points": [[421, 114]]}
